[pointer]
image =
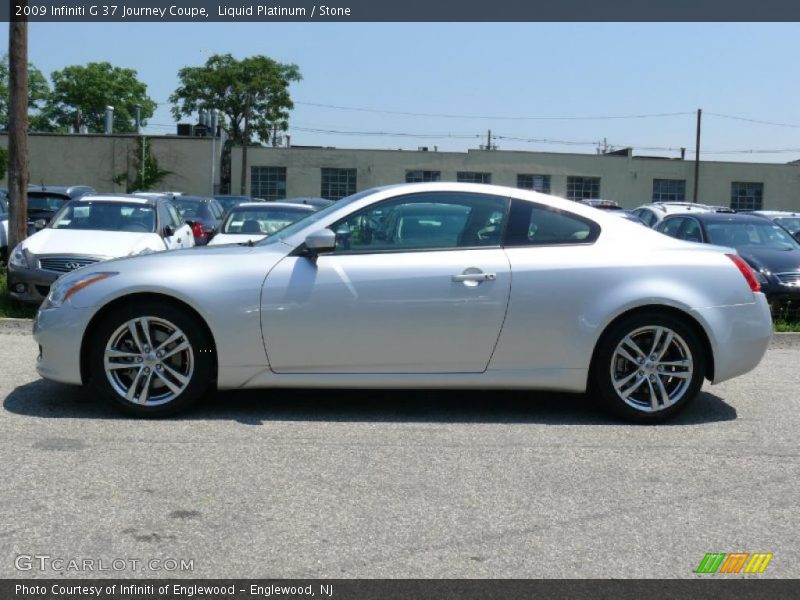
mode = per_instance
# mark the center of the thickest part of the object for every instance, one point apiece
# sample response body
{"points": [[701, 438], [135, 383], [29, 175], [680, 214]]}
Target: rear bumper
{"points": [[739, 336]]}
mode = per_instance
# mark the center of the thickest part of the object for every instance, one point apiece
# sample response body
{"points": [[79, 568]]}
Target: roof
{"points": [[726, 217], [282, 205], [127, 198], [775, 213]]}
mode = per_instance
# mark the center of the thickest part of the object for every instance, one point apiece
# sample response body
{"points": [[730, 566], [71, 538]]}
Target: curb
{"points": [[779, 339]]}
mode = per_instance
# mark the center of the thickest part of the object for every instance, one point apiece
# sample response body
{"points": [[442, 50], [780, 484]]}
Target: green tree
{"points": [[90, 88], [253, 91], [38, 92]]}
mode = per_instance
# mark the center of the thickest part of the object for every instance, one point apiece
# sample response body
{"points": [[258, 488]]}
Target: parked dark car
{"points": [[227, 202], [768, 248], [790, 221], [204, 215], [44, 201]]}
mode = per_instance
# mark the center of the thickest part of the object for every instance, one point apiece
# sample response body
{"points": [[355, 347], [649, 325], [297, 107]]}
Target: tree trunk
{"points": [[17, 133], [245, 143]]}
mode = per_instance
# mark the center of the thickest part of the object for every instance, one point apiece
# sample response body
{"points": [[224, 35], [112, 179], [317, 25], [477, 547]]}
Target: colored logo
{"points": [[735, 562]]}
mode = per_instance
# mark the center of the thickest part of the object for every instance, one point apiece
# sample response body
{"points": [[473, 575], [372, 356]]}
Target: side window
{"points": [[647, 216], [671, 226], [424, 221], [533, 224], [175, 218], [691, 231]]}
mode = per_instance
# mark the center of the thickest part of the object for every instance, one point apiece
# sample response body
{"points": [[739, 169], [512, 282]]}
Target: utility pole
{"points": [[17, 132], [245, 141], [144, 142], [697, 156], [489, 139], [213, 116]]}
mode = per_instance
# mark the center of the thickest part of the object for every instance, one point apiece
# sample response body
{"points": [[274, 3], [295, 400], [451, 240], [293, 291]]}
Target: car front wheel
{"points": [[649, 367], [151, 359]]}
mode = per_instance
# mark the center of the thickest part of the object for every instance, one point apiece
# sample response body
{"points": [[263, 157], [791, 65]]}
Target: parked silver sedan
{"points": [[432, 285]]}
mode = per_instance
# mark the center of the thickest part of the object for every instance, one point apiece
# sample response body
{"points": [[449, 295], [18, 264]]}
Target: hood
{"points": [[96, 243], [777, 261], [235, 238]]}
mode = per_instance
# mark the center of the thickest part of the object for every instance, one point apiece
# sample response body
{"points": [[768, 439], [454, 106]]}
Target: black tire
{"points": [[671, 379], [199, 360]]}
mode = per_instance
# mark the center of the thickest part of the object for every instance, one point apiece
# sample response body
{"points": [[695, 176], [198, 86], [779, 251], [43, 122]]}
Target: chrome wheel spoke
{"points": [[178, 334], [633, 346], [676, 363], [175, 389], [121, 354], [626, 355], [179, 348], [145, 388], [621, 383], [653, 397], [656, 339], [145, 324], [636, 385], [182, 379], [662, 392], [677, 375], [665, 346], [131, 395], [135, 336]]}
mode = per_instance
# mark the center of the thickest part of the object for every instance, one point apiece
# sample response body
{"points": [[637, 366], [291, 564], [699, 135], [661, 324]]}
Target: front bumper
{"points": [[739, 336], [59, 333], [30, 285]]}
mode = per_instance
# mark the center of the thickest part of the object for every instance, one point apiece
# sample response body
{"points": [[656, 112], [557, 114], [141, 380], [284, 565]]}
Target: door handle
{"points": [[474, 277]]}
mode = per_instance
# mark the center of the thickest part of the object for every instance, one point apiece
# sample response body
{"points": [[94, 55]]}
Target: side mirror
{"points": [[39, 224], [320, 241], [169, 231]]}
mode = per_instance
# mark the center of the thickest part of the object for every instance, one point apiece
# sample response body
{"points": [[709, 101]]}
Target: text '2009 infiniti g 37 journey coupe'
{"points": [[432, 285]]}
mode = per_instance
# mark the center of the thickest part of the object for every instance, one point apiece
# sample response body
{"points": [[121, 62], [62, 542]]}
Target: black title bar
{"points": [[398, 589], [202, 11]]}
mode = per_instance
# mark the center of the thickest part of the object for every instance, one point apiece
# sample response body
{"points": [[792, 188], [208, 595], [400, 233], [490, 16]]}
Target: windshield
{"points": [[790, 223], [767, 235], [192, 209], [106, 216], [314, 217], [267, 220], [45, 202]]}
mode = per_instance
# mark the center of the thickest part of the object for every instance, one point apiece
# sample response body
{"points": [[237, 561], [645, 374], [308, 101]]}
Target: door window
{"points": [[431, 221]]}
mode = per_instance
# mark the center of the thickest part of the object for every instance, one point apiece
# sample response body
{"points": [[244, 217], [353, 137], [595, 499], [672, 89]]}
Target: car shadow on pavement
{"points": [[255, 407]]}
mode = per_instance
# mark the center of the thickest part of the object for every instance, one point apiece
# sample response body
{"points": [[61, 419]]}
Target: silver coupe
{"points": [[432, 285]]}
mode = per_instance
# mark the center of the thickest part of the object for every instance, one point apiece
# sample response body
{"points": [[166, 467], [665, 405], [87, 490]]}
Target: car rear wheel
{"points": [[649, 367], [151, 359]]}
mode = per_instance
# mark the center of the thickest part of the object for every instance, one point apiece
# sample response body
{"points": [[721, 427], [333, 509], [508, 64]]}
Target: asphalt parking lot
{"points": [[396, 484]]}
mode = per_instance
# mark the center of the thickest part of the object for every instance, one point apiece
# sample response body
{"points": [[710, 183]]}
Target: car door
{"points": [[182, 236], [416, 284]]}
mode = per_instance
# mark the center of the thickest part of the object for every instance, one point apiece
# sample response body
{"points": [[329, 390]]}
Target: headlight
{"points": [[65, 287], [19, 257]]}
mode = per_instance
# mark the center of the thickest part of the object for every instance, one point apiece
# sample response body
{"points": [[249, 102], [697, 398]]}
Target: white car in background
{"points": [[652, 214], [253, 221], [92, 229]]}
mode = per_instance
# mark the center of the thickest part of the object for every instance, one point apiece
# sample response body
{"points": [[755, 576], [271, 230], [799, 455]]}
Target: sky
{"points": [[536, 86]]}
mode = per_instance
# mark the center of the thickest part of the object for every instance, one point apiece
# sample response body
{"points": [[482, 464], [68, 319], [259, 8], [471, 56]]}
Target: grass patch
{"points": [[12, 308], [784, 326]]}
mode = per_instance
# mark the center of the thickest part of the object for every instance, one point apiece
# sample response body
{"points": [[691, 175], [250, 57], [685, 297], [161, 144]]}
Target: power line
{"points": [[758, 121], [506, 118]]}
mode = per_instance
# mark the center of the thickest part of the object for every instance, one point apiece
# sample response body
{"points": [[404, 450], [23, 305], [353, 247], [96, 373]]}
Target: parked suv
{"points": [[204, 215], [652, 214], [768, 248]]}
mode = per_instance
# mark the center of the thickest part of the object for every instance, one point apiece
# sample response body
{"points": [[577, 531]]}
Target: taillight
{"points": [[745, 269], [198, 231]]}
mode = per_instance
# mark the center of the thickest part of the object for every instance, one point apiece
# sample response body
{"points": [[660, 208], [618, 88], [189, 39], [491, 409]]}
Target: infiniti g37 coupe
{"points": [[432, 285]]}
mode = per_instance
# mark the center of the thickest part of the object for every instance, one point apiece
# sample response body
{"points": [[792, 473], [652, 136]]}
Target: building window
{"points": [[338, 183], [473, 177], [669, 190], [583, 188], [747, 195], [422, 176], [537, 183], [268, 183]]}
